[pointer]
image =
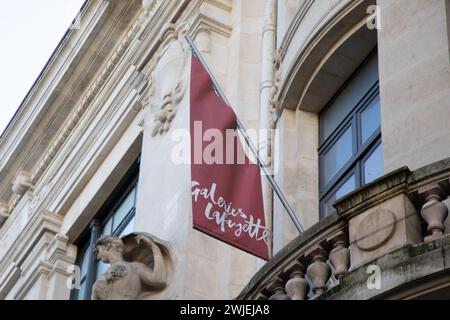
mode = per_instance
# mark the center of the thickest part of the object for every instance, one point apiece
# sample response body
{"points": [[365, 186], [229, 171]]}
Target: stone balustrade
{"points": [[402, 214]]}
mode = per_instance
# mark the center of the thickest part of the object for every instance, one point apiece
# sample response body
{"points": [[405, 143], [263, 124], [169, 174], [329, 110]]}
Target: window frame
{"points": [[361, 151], [94, 231]]}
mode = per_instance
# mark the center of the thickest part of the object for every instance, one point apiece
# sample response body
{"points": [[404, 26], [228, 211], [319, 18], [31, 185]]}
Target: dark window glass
{"points": [[370, 119], [347, 186], [338, 155], [373, 165], [350, 150], [115, 218]]}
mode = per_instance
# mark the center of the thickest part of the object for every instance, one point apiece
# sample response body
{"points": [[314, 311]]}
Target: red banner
{"points": [[227, 201]]}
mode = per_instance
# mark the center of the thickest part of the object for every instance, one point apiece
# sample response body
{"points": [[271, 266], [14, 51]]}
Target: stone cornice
{"points": [[90, 93], [24, 142], [29, 238], [124, 55], [378, 191], [18, 144], [89, 96]]}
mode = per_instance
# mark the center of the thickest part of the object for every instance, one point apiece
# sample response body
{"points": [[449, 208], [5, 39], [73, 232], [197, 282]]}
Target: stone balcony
{"points": [[388, 240]]}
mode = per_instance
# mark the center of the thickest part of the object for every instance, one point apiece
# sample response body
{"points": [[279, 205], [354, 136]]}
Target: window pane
{"points": [[84, 262], [338, 155], [370, 119], [346, 188], [364, 79], [81, 291], [124, 209], [107, 229], [129, 228], [373, 166], [101, 268]]}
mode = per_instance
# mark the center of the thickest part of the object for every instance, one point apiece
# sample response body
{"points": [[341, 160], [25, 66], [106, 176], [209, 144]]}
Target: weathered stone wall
{"points": [[414, 82]]}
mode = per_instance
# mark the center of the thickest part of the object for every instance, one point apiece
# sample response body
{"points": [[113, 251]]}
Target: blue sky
{"points": [[29, 30]]}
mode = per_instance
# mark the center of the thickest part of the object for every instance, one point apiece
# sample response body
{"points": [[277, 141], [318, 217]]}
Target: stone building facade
{"points": [[357, 90]]}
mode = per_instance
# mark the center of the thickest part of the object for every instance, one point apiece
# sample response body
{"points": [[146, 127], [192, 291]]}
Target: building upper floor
{"points": [[352, 98]]}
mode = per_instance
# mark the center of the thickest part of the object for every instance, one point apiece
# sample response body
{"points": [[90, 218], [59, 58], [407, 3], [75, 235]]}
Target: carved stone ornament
{"points": [[168, 78], [22, 183], [203, 39], [137, 266], [149, 5], [375, 230]]}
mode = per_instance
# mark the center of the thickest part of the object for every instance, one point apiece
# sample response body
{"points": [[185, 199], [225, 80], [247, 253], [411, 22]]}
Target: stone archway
{"points": [[331, 55]]}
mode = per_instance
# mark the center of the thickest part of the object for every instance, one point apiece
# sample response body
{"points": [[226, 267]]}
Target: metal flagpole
{"points": [[241, 128]]}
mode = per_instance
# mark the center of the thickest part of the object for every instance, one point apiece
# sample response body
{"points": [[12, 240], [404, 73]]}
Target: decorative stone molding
{"points": [[167, 79], [203, 39], [434, 211], [8, 278], [139, 82], [318, 271], [202, 22], [40, 196], [149, 5], [387, 186], [4, 213], [375, 229], [296, 22], [297, 287], [307, 63], [274, 111], [92, 92], [275, 103], [22, 183]]}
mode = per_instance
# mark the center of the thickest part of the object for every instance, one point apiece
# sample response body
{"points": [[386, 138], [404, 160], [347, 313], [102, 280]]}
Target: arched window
{"points": [[350, 150]]}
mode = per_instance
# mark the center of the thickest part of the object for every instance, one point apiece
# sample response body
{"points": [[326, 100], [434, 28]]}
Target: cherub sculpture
{"points": [[126, 277]]}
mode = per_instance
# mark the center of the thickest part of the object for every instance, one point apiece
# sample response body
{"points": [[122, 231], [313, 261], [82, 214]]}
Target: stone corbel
{"points": [[203, 39], [22, 183]]}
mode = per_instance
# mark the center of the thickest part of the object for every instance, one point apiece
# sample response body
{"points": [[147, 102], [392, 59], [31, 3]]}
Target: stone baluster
{"points": [[433, 211], [297, 287], [318, 271], [261, 297], [277, 287], [340, 254]]}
